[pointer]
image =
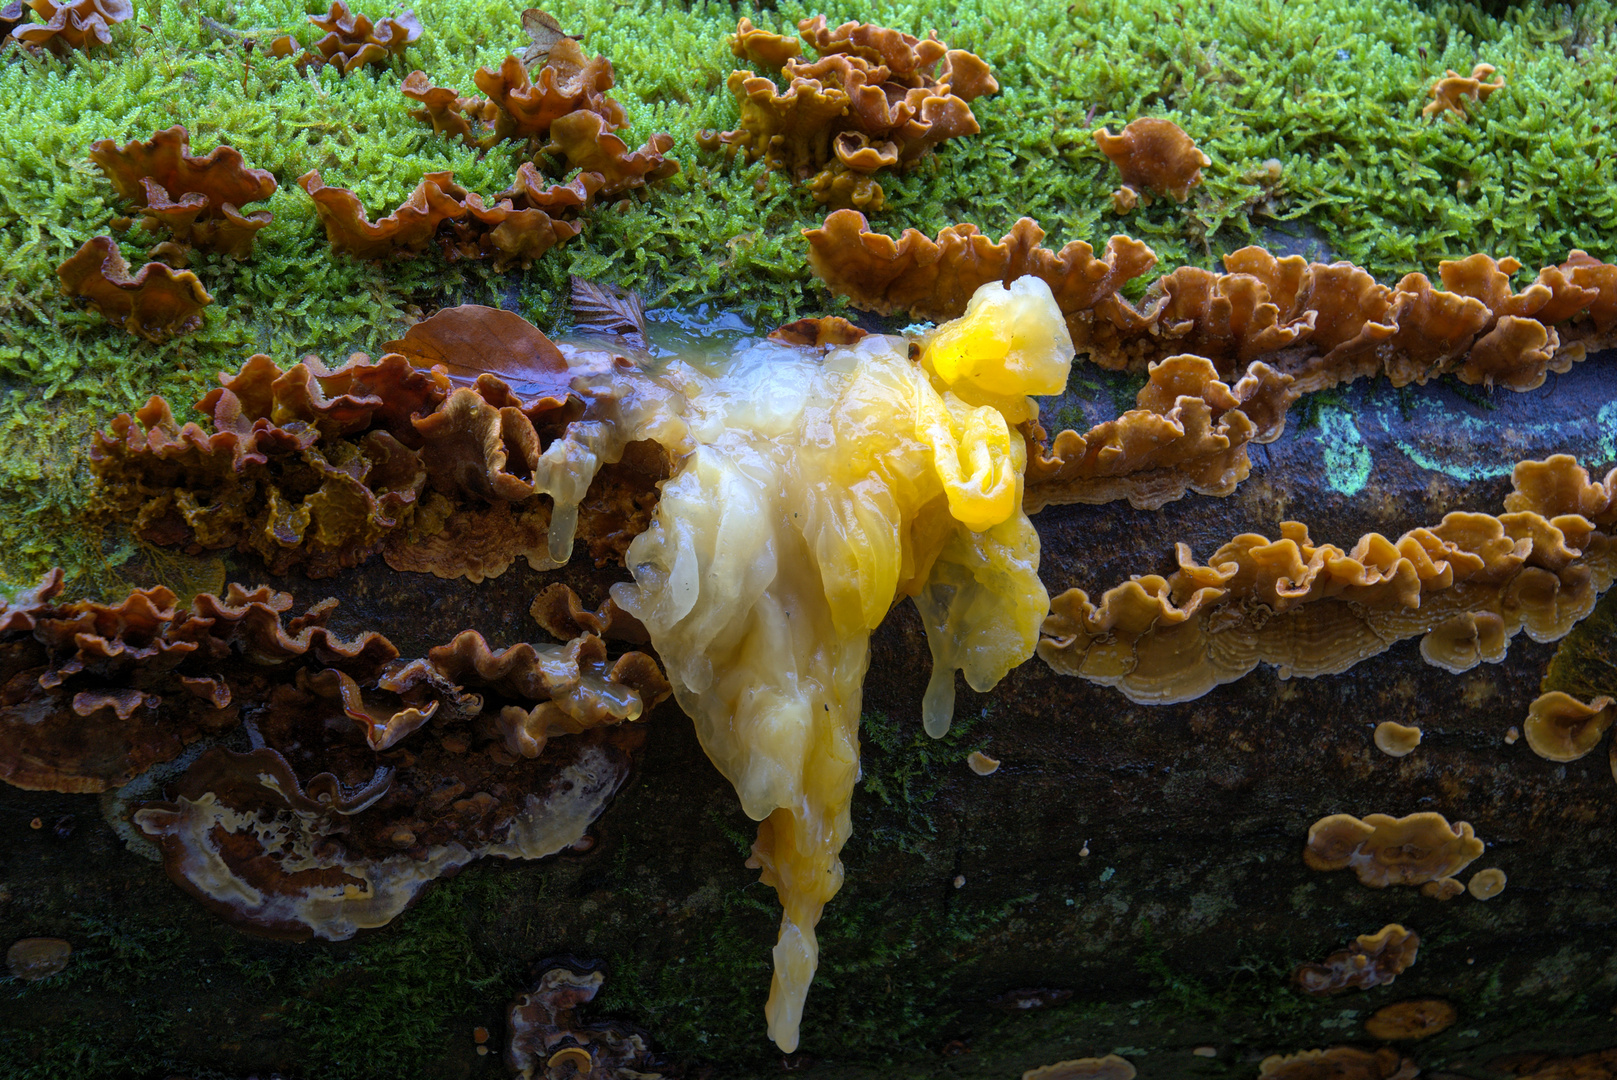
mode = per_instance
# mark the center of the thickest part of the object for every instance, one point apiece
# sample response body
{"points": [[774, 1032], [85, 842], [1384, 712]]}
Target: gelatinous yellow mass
{"points": [[817, 492]]}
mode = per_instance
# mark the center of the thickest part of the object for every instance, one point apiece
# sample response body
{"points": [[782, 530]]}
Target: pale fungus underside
{"points": [[305, 470]]}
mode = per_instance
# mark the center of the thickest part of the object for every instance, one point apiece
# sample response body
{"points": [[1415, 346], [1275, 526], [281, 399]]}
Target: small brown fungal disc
{"points": [[1443, 888], [1487, 884], [1415, 1019], [1395, 739], [576, 1056], [1562, 728], [480, 1035], [37, 957], [1110, 1067], [981, 763]]}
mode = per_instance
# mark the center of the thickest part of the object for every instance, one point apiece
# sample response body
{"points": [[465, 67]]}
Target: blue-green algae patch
{"points": [[1331, 89]]}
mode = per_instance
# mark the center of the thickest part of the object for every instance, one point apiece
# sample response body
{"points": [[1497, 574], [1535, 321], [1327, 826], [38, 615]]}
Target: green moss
{"points": [[1331, 89], [1585, 663]]}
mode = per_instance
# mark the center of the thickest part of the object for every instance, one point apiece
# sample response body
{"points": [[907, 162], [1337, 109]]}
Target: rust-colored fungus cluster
{"points": [[363, 776], [871, 101], [1110, 1067], [1453, 94], [319, 469], [1465, 586], [1323, 324], [1372, 960], [1154, 154], [156, 302], [548, 1040], [77, 25], [1339, 1063], [1421, 849], [1416, 1019], [351, 40], [807, 493], [197, 199]]}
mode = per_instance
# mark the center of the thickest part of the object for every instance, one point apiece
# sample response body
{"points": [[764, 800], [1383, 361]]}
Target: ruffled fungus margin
{"points": [[1415, 850], [157, 303], [547, 1034], [1339, 1063], [79, 24], [1154, 154], [352, 41], [1315, 609], [1372, 960]]}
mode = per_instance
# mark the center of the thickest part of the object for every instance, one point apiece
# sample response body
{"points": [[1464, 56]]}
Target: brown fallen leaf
{"points": [[546, 32], [472, 339], [606, 309]]}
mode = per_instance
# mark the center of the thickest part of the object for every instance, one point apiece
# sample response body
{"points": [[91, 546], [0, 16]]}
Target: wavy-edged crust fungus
{"points": [[1372, 960], [1110, 1067], [1155, 154], [1339, 1063], [549, 1040], [1486, 884], [1416, 1019], [1384, 850], [352, 41], [79, 24], [1559, 727], [1453, 93], [1395, 739], [156, 303]]}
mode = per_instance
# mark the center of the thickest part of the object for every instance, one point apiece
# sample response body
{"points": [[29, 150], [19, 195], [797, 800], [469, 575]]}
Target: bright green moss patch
{"points": [[1332, 89]]}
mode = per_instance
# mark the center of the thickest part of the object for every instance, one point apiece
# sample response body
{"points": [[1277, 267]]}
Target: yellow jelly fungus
{"points": [[811, 495]]}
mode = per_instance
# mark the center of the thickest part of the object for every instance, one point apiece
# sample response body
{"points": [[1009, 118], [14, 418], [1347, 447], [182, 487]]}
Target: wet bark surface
{"points": [[1130, 880]]}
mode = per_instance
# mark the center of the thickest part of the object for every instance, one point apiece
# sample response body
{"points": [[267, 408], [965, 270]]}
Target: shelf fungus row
{"points": [[358, 777], [1465, 587], [802, 491], [875, 99], [1323, 324], [1421, 849]]}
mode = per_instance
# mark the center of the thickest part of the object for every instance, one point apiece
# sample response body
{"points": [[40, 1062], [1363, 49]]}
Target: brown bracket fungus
{"points": [[1486, 884], [1372, 960], [1395, 739], [352, 41], [1415, 1019], [548, 1040], [157, 303], [1110, 1067], [1451, 94], [981, 764], [1559, 727], [31, 959], [870, 102], [79, 24], [1155, 154], [1338, 1063], [762, 48], [1384, 850], [1316, 609], [198, 199]]}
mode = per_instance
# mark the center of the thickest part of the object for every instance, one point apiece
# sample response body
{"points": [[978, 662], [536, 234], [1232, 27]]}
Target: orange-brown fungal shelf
{"points": [[1539, 567], [1453, 94], [1323, 324], [1339, 1063], [319, 469], [369, 775], [1372, 960], [155, 303], [1156, 155], [870, 102], [1559, 727], [1110, 1067], [1416, 1019], [352, 41], [79, 25], [1416, 850], [808, 493], [198, 199]]}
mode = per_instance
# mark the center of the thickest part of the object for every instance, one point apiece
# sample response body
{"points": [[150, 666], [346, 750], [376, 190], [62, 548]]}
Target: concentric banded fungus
{"points": [[361, 759], [1395, 739], [1339, 1063], [1561, 728], [1416, 1019], [546, 1033], [515, 229], [1110, 1067], [870, 102], [1322, 324], [1486, 884], [320, 469], [1155, 154], [1384, 851], [198, 199], [79, 25], [156, 303], [1451, 93], [1316, 609], [1372, 960]]}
